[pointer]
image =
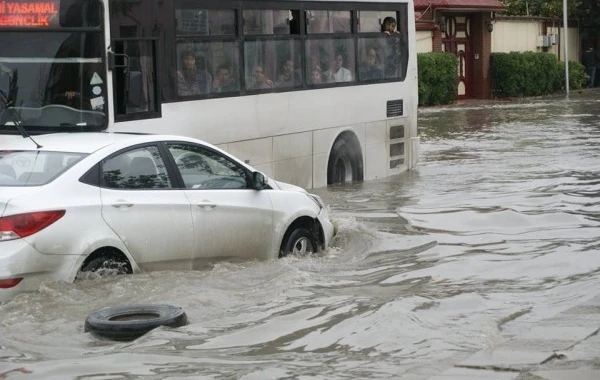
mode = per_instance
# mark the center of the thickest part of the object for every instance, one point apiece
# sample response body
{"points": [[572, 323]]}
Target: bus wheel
{"points": [[345, 162]]}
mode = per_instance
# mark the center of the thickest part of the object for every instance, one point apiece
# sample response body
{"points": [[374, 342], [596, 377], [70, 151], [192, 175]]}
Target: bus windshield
{"points": [[52, 70]]}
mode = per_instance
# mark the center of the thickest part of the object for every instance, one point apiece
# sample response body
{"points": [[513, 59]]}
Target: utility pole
{"points": [[566, 44]]}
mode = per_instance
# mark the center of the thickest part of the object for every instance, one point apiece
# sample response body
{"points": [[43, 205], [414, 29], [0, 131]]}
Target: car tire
{"points": [[132, 321], [300, 242], [107, 263]]}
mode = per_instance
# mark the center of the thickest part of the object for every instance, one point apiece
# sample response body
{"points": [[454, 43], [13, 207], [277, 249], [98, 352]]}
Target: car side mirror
{"points": [[259, 181]]}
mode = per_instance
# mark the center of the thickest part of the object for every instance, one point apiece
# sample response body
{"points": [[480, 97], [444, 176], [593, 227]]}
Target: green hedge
{"points": [[437, 78], [531, 74], [578, 78]]}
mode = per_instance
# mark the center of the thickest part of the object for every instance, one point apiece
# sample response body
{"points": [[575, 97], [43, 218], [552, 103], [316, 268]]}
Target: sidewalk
{"points": [[563, 347], [475, 103]]}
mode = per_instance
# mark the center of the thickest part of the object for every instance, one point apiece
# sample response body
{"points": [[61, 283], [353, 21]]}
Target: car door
{"points": [[140, 203], [230, 218]]}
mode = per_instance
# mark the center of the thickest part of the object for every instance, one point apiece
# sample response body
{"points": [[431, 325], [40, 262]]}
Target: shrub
{"points": [[437, 78], [523, 74], [532, 74], [577, 76]]}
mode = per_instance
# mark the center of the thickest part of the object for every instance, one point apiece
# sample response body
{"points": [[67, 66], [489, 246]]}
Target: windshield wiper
{"points": [[16, 118]]}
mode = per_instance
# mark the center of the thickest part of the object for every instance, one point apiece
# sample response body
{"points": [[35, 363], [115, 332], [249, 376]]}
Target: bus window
{"points": [[371, 21], [55, 76], [193, 75], [334, 57], [217, 61], [269, 22], [328, 22], [260, 59], [204, 22], [371, 65], [289, 73], [278, 61]]}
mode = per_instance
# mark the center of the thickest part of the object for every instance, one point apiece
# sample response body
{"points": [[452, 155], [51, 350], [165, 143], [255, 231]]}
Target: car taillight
{"points": [[10, 283], [22, 225]]}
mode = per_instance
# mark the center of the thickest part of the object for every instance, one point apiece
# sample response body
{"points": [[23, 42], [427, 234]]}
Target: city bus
{"points": [[308, 92]]}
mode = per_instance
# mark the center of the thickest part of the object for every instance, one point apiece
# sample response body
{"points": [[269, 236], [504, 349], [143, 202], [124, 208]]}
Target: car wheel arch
{"points": [[107, 253]]}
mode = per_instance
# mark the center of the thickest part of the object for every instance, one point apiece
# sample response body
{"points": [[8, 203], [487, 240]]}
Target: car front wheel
{"points": [[300, 242]]}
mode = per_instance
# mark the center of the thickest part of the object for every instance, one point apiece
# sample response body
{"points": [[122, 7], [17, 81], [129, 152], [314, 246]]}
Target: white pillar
{"points": [[566, 44]]}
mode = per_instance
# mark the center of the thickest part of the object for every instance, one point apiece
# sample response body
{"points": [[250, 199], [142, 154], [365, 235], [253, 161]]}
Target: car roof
{"points": [[81, 142]]}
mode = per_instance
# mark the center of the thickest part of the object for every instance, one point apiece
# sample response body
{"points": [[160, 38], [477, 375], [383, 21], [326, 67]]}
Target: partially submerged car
{"points": [[85, 202]]}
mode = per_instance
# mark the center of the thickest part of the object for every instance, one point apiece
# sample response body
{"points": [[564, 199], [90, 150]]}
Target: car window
{"points": [[34, 167], [140, 169], [201, 168]]}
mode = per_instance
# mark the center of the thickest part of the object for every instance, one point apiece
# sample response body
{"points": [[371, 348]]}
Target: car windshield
{"points": [[34, 167], [52, 69]]}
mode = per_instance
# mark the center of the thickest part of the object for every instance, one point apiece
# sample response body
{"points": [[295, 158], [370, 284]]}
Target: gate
{"points": [[457, 39]]}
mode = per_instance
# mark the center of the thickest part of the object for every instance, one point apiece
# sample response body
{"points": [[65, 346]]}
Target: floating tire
{"points": [[133, 321]]}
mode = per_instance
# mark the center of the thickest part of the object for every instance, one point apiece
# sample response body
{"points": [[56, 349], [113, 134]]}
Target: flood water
{"points": [[498, 225]]}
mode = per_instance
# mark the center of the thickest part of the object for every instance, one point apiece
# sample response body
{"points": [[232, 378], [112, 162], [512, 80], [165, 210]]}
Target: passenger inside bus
{"points": [[260, 80], [316, 75], [370, 67], [288, 77], [388, 27], [190, 79], [223, 81], [338, 73]]}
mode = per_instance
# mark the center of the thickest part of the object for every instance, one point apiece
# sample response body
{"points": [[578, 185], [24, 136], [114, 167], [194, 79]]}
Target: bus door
{"points": [[135, 83]]}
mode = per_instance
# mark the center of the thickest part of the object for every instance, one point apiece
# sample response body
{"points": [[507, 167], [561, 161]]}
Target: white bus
{"points": [[309, 92]]}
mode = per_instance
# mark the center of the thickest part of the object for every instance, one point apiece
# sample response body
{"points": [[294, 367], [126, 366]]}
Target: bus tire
{"points": [[345, 163], [132, 321]]}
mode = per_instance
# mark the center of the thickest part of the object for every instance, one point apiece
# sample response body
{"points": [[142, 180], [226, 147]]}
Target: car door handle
{"points": [[206, 206], [122, 205]]}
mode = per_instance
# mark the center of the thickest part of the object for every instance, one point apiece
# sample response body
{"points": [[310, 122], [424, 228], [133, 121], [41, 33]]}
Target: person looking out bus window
{"points": [[370, 68], [390, 48], [316, 75], [190, 80], [388, 27], [288, 77], [223, 81], [338, 73], [260, 80]]}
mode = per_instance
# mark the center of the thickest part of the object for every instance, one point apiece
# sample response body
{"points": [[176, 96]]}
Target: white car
{"points": [[83, 202]]}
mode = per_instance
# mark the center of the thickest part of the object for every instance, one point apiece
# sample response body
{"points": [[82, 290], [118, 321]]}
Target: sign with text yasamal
{"points": [[29, 13]]}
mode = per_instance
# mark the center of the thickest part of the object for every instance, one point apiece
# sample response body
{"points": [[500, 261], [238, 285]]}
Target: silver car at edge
{"points": [[124, 203]]}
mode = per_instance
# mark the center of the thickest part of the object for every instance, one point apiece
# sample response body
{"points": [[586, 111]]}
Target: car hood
{"points": [[7, 193], [286, 186]]}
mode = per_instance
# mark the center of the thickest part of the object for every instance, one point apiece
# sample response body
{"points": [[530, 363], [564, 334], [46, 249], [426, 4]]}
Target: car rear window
{"points": [[34, 167]]}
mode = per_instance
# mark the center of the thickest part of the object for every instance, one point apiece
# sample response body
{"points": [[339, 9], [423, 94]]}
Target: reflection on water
{"points": [[497, 225]]}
